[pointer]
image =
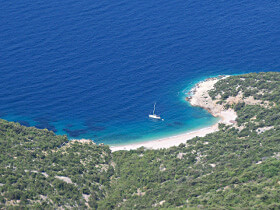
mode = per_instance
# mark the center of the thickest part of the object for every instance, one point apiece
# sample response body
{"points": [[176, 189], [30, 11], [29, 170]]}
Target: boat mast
{"points": [[154, 109]]}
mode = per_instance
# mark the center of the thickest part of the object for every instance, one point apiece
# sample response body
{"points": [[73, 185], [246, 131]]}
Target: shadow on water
{"points": [[69, 125], [175, 124], [93, 127], [43, 123], [24, 123], [2, 114], [178, 123], [75, 133]]}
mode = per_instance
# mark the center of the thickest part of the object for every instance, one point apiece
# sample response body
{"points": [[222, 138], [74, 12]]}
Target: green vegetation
{"points": [[237, 167], [35, 162]]}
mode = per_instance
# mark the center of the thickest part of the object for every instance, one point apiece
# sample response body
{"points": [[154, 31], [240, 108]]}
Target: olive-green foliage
{"points": [[234, 168], [33, 162], [262, 86]]}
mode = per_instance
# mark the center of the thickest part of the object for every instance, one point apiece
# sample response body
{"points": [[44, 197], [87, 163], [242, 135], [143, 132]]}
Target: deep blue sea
{"points": [[94, 69]]}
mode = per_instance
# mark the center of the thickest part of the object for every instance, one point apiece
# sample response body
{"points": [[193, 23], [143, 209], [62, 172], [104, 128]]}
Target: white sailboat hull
{"points": [[153, 116]]}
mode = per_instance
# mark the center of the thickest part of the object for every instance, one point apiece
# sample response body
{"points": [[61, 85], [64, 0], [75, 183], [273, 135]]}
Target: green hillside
{"points": [[237, 167], [40, 169]]}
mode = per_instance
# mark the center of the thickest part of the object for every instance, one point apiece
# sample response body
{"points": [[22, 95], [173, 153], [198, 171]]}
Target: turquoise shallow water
{"points": [[93, 70]]}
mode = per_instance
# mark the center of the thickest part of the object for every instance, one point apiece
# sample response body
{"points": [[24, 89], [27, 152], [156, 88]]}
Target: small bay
{"points": [[94, 69]]}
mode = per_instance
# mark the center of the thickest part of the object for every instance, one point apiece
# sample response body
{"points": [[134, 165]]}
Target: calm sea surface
{"points": [[93, 69]]}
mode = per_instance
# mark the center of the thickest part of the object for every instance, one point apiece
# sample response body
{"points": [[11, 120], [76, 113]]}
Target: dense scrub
{"points": [[237, 167], [262, 86], [40, 169]]}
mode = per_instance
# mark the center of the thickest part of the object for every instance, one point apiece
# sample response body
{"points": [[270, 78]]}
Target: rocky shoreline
{"points": [[192, 92]]}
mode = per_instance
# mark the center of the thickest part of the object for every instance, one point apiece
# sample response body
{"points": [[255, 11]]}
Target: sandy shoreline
{"points": [[199, 97]]}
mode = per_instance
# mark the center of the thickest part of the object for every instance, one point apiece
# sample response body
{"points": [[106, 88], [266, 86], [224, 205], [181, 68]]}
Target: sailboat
{"points": [[154, 116]]}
